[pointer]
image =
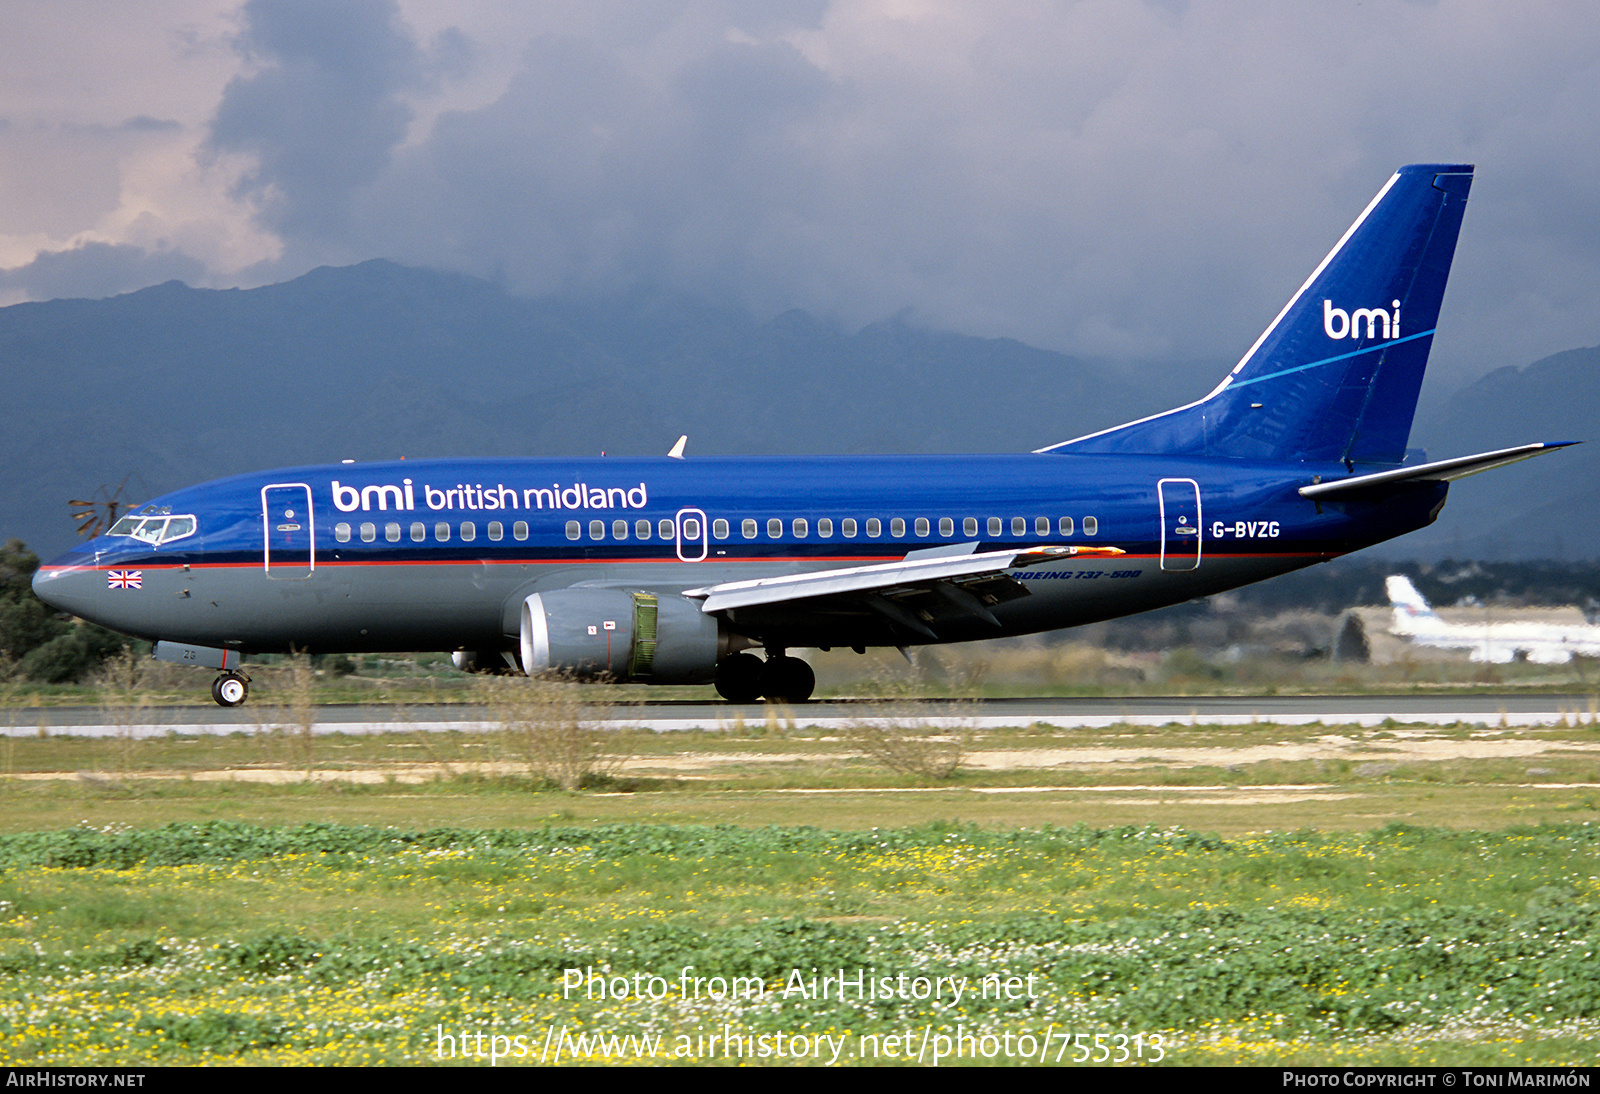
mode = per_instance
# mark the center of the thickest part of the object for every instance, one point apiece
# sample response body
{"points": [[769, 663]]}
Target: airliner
{"points": [[675, 569], [1497, 643]]}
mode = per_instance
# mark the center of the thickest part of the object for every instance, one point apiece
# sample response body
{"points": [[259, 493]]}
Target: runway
{"points": [[1474, 709]]}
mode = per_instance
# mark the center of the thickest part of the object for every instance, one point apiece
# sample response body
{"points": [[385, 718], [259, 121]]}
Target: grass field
{"points": [[639, 943], [1190, 895]]}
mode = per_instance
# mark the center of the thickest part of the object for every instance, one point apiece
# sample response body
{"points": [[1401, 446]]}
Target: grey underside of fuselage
{"points": [[354, 608]]}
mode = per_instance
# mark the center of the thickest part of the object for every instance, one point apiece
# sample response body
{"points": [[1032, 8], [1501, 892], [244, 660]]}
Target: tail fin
{"points": [[1336, 375], [1410, 609]]}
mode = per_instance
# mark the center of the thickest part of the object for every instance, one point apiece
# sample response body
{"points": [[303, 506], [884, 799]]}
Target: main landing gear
{"points": [[230, 689], [744, 678]]}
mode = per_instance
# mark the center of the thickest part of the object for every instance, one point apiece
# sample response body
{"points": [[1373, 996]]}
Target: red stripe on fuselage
{"points": [[632, 561]]}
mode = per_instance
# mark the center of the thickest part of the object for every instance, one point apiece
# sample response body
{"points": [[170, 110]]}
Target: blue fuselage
{"points": [[440, 554]]}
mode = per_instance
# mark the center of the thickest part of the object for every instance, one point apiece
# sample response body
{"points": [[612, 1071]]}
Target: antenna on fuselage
{"points": [[677, 449]]}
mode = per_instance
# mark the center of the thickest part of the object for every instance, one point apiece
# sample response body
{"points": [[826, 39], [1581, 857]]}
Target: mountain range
{"points": [[173, 385]]}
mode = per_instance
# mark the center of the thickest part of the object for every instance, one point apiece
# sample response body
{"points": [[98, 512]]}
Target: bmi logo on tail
{"points": [[1338, 323]]}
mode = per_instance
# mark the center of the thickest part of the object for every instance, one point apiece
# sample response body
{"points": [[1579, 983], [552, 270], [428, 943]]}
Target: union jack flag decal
{"points": [[124, 579]]}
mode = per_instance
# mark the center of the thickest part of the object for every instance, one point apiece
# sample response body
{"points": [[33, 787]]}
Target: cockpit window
{"points": [[154, 530]]}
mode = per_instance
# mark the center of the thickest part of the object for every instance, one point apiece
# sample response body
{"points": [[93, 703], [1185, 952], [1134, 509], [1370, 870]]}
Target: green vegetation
{"points": [[36, 644], [389, 898], [352, 944]]}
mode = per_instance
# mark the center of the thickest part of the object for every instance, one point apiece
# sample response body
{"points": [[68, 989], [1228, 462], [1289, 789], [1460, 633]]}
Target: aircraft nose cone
{"points": [[67, 586], [49, 586]]}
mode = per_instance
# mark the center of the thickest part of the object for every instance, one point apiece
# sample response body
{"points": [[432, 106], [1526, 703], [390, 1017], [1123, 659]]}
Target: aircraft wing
{"points": [[963, 583], [1438, 471]]}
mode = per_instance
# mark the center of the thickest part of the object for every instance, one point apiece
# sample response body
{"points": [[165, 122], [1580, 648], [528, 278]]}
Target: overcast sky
{"points": [[1112, 178]]}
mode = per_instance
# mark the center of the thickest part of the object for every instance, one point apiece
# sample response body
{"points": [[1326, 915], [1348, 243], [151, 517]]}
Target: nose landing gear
{"points": [[230, 689]]}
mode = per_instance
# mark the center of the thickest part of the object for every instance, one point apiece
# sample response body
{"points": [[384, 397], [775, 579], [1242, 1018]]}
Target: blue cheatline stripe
{"points": [[1331, 360]]}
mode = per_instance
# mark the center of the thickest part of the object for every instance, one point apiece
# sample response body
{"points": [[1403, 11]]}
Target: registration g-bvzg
{"points": [[1246, 529]]}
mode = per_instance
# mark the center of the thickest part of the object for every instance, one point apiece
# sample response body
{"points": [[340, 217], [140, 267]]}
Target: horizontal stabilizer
{"points": [[1438, 471]]}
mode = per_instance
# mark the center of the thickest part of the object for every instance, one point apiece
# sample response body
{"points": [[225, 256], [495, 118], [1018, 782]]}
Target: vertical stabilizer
{"points": [[1336, 375], [1412, 615]]}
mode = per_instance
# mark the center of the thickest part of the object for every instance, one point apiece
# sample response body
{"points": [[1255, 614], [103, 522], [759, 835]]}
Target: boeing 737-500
{"points": [[671, 570]]}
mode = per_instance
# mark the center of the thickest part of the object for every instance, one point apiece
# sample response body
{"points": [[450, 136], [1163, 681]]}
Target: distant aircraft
{"points": [[1545, 643], [669, 570]]}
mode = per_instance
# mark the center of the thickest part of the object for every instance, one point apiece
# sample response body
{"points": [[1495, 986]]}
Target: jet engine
{"points": [[624, 636]]}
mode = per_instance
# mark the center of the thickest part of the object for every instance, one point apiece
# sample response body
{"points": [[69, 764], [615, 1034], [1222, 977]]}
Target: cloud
{"points": [[323, 109], [1138, 179], [590, 174], [96, 270]]}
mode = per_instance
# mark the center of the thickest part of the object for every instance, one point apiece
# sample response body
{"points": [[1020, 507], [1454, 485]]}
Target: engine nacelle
{"points": [[623, 636]]}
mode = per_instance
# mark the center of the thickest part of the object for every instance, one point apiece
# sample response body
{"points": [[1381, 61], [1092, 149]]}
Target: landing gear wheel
{"points": [[787, 680], [230, 689], [739, 678]]}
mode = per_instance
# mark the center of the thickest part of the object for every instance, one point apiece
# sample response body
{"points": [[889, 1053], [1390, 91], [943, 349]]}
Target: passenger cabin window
{"points": [[1019, 526], [774, 528], [619, 529], [574, 530], [897, 527], [969, 526], [1066, 526], [1091, 526], [497, 531], [369, 532], [719, 528], [849, 527], [519, 530], [391, 532], [801, 528], [922, 526], [641, 529], [874, 527], [824, 527], [469, 531], [994, 526], [748, 528], [666, 528], [419, 531], [441, 532], [341, 532], [597, 529], [1041, 526], [947, 527]]}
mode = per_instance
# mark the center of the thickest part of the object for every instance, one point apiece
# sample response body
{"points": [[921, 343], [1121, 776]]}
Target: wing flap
{"points": [[884, 578]]}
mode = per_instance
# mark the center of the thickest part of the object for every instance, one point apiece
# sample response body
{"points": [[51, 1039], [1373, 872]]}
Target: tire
{"points": [[788, 680], [229, 690], [739, 678]]}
